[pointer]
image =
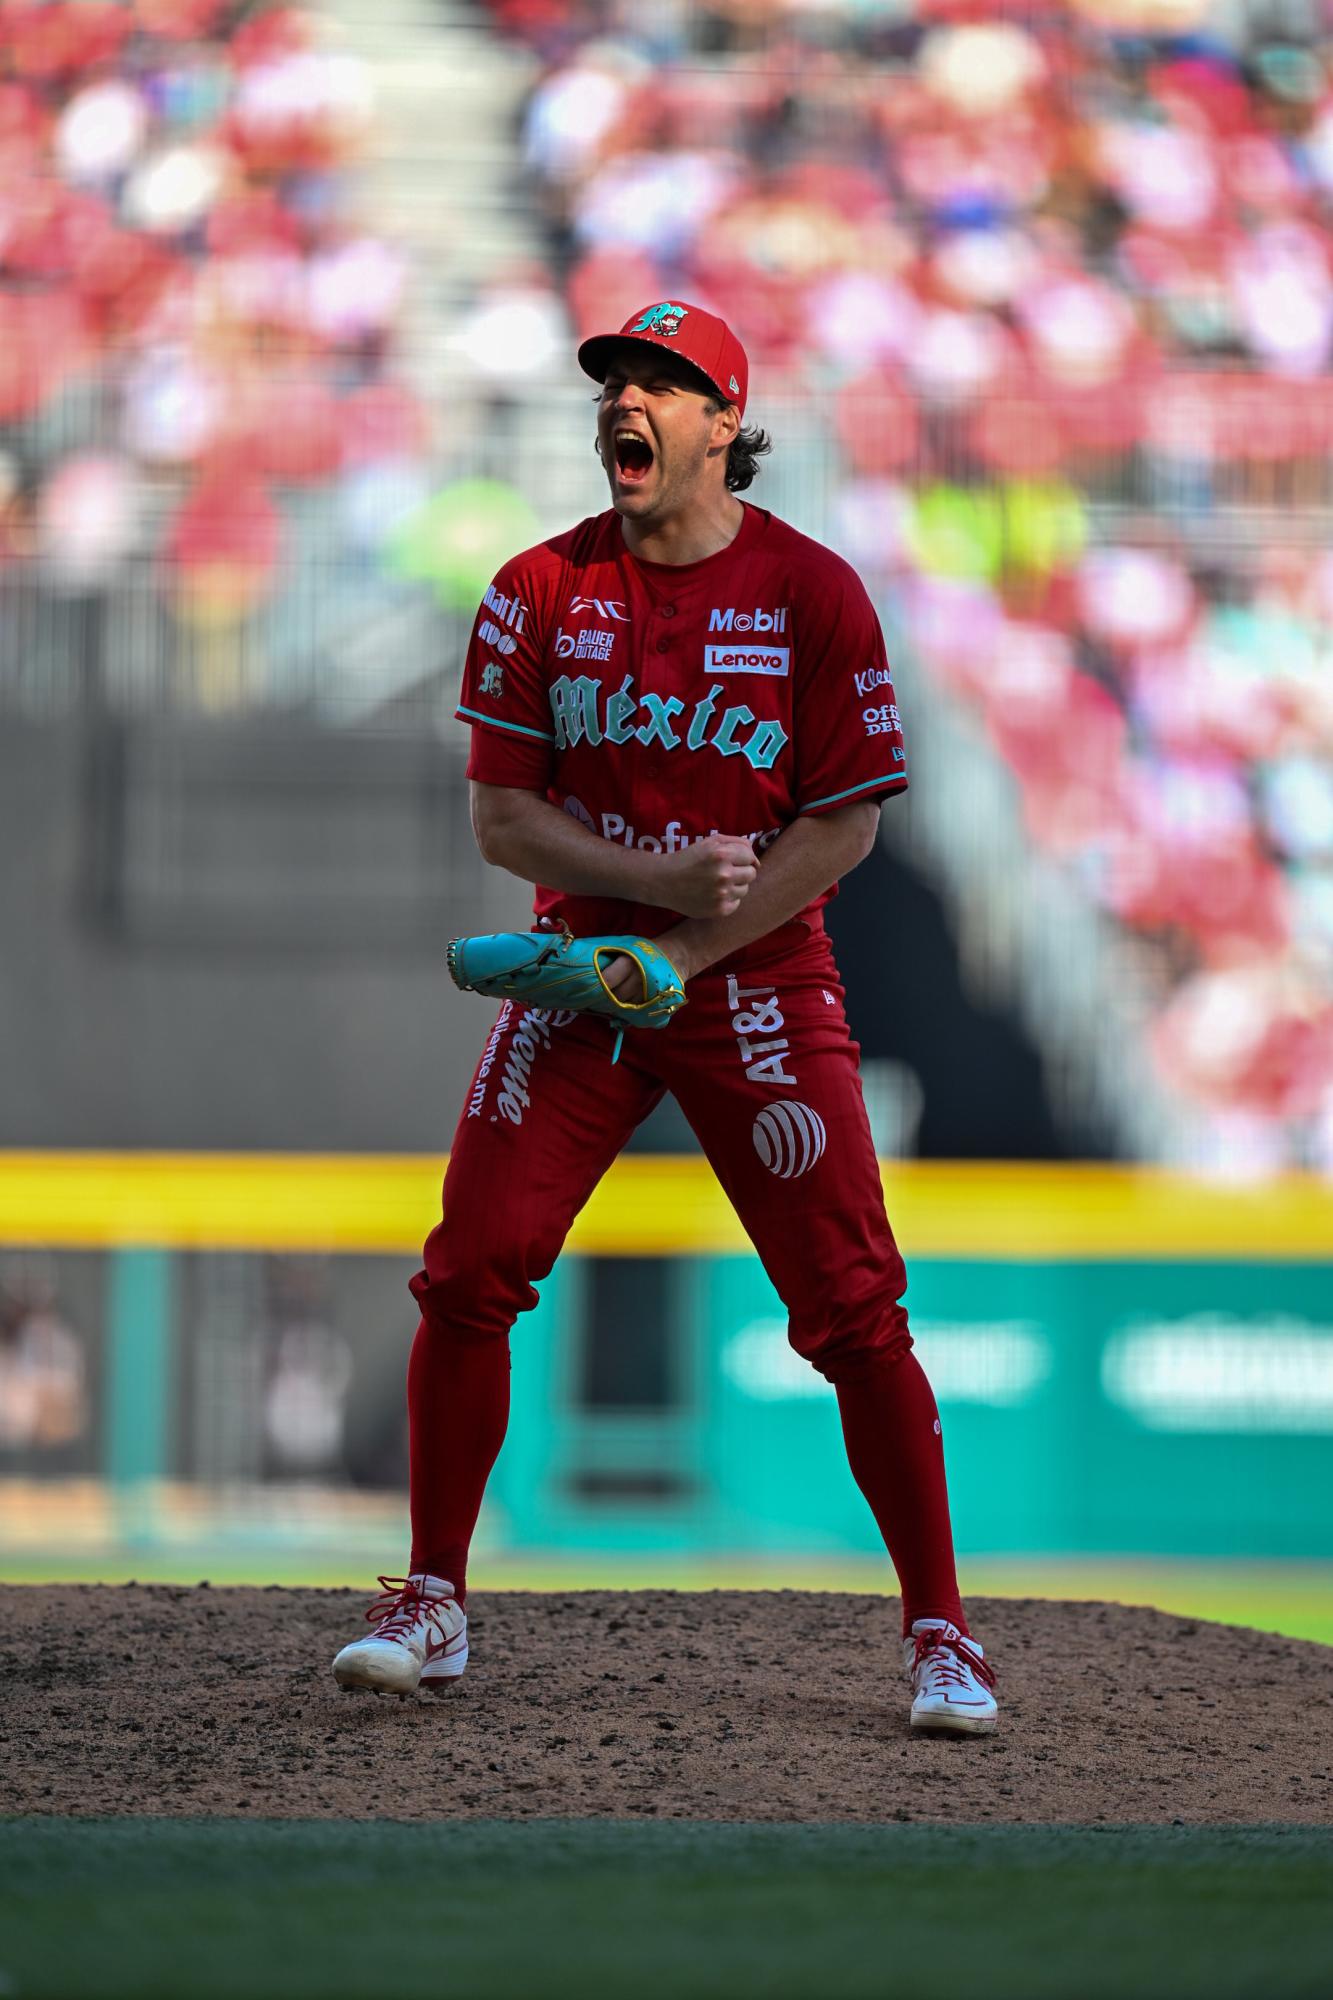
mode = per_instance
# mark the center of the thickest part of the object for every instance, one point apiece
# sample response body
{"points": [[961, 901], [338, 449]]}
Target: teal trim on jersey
{"points": [[471, 715], [893, 778]]}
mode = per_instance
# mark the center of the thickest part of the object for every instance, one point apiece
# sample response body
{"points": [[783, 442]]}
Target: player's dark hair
{"points": [[749, 445]]}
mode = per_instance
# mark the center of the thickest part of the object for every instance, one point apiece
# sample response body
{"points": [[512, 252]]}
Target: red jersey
{"points": [[659, 703]]}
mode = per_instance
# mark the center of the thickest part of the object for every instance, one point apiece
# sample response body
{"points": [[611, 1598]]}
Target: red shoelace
{"points": [[952, 1660], [400, 1605]]}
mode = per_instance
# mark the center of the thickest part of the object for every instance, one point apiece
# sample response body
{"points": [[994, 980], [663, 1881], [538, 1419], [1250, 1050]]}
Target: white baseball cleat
{"points": [[951, 1682], [419, 1640]]}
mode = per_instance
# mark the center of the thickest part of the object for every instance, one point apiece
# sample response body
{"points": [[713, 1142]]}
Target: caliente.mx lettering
{"points": [[533, 1034]]}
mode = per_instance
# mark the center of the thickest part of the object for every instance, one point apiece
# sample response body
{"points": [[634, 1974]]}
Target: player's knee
{"points": [[477, 1273], [462, 1300], [845, 1344]]}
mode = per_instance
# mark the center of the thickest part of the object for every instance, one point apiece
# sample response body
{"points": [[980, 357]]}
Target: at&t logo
{"points": [[789, 1138]]}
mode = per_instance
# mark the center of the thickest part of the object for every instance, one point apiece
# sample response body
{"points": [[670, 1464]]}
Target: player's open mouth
{"points": [[634, 458]]}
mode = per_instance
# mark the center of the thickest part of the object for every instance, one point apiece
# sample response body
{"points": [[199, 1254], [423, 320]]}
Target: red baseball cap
{"points": [[699, 337]]}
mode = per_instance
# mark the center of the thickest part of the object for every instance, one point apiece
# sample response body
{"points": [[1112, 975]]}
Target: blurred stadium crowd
{"points": [[1063, 285], [1056, 284], [188, 319]]}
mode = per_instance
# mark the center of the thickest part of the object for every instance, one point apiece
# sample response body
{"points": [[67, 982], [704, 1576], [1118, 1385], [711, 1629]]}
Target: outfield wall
{"points": [[1126, 1360]]}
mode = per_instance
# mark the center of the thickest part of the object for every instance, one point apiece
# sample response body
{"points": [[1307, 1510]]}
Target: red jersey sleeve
{"points": [[504, 696], [849, 742]]}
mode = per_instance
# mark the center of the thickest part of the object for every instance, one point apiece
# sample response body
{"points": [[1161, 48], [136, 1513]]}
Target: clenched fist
{"points": [[709, 878]]}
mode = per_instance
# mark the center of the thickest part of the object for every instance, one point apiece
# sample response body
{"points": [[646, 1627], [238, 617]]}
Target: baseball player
{"points": [[683, 728]]}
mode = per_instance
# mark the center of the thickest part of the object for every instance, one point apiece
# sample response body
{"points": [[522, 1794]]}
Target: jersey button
{"points": [[664, 645], [668, 610]]}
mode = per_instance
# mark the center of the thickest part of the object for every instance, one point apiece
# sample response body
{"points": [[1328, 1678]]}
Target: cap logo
{"points": [[734, 386], [664, 319]]}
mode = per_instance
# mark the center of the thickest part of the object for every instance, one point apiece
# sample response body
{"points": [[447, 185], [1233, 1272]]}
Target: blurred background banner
{"points": [[1039, 308]]}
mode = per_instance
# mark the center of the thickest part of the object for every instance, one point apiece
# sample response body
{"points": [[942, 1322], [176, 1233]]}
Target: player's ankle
{"points": [[445, 1568]]}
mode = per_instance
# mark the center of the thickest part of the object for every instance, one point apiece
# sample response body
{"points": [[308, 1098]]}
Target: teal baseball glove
{"points": [[555, 969]]}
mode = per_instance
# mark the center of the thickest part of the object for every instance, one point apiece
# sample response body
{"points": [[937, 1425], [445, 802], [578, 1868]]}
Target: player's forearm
{"points": [[806, 859], [529, 837]]}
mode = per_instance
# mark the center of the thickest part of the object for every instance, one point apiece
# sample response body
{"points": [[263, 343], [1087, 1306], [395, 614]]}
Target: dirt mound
{"points": [[754, 1705]]}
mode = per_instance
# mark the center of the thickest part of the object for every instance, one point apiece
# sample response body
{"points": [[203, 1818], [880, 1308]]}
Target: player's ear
{"points": [[726, 424]]}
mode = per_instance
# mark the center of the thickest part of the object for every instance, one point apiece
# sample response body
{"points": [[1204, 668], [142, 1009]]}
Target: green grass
{"points": [[180, 1910]]}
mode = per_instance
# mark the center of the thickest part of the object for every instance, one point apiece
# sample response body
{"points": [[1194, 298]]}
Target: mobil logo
{"points": [[733, 659], [758, 620]]}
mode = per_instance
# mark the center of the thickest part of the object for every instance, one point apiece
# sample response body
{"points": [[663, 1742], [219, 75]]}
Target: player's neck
{"points": [[703, 530]]}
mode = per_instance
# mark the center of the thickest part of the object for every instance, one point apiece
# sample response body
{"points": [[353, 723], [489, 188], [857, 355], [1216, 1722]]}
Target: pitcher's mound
{"points": [[725, 1705]]}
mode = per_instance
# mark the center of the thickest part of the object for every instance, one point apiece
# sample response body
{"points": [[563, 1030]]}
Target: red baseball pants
{"points": [[763, 1065]]}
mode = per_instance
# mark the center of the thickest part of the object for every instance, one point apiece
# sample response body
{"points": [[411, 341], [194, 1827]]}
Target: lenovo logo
{"points": [[775, 660]]}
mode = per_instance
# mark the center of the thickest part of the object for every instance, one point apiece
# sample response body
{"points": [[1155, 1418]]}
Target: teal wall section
{"points": [[574, 1478], [138, 1365], [139, 1387], [1147, 1407]]}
